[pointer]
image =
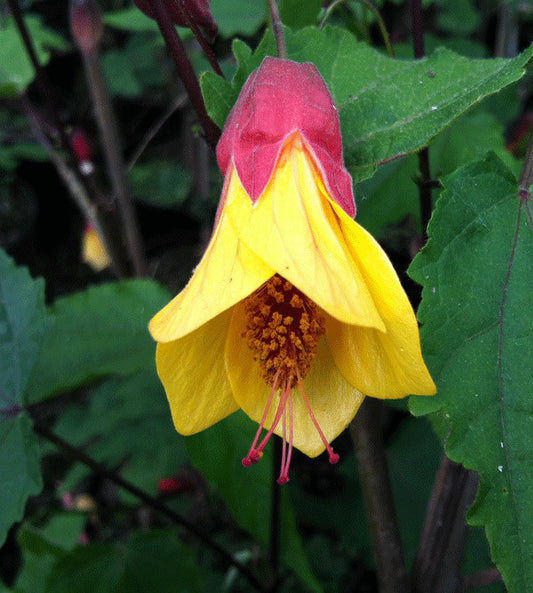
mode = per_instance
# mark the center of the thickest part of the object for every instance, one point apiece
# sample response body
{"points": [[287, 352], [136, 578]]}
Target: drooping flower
{"points": [[294, 313]]}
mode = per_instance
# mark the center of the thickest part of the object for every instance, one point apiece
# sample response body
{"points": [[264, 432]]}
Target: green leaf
{"points": [[392, 194], [161, 183], [22, 326], [20, 469], [387, 107], [16, 70], [217, 453], [477, 337], [237, 17], [96, 333], [150, 561], [130, 19], [126, 423], [293, 16]]}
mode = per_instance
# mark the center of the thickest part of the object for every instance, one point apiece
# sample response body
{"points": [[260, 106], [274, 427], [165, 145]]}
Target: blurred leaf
{"points": [[133, 69], [16, 70], [149, 561], [458, 17], [237, 17], [392, 194], [120, 74], [99, 332], [477, 337], [217, 453], [125, 424], [387, 107], [294, 16], [22, 326], [160, 183], [130, 19]]}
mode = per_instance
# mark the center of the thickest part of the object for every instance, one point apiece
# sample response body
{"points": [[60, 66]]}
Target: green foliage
{"points": [[97, 333], [387, 107], [162, 183], [16, 70], [217, 452], [22, 326], [477, 330]]}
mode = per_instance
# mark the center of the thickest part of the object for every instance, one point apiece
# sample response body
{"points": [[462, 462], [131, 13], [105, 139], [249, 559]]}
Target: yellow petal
{"points": [[193, 373], [333, 400], [293, 228], [385, 365], [228, 272]]}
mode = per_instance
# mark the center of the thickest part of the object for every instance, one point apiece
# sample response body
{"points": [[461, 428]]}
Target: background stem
{"points": [[114, 159], [366, 431], [186, 72], [152, 502]]}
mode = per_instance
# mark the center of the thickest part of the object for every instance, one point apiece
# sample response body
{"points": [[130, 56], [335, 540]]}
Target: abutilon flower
{"points": [[294, 313]]}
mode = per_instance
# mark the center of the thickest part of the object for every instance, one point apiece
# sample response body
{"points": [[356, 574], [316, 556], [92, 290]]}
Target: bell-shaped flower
{"points": [[294, 313]]}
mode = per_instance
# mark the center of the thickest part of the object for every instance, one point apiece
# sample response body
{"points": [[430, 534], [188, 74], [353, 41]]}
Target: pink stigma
{"points": [[256, 451]]}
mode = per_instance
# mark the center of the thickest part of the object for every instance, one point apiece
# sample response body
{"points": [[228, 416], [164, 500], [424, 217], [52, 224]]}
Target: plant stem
{"points": [[154, 503], [277, 28], [40, 74], [185, 71], [115, 163], [191, 23], [440, 550], [78, 192], [366, 431], [526, 174]]}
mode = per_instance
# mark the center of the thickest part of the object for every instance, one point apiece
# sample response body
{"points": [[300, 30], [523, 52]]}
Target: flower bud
{"points": [[86, 25]]}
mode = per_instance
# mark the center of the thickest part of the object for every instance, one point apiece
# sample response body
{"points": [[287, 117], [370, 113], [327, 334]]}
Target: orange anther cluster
{"points": [[283, 328]]}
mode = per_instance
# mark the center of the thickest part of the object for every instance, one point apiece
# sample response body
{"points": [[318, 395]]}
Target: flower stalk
{"points": [[186, 72], [366, 431], [86, 28]]}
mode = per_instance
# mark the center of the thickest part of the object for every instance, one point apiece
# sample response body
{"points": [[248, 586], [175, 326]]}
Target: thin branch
{"points": [[77, 190], [154, 503], [366, 431], [114, 159], [185, 71], [40, 74], [277, 28], [179, 102], [191, 23]]}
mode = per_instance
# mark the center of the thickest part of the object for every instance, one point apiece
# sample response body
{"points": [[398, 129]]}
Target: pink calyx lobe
{"points": [[280, 98]]}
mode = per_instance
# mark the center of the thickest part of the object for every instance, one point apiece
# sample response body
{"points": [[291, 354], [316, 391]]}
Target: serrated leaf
{"points": [[387, 107], [16, 69], [22, 325], [99, 332], [477, 337], [217, 453], [392, 194]]}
